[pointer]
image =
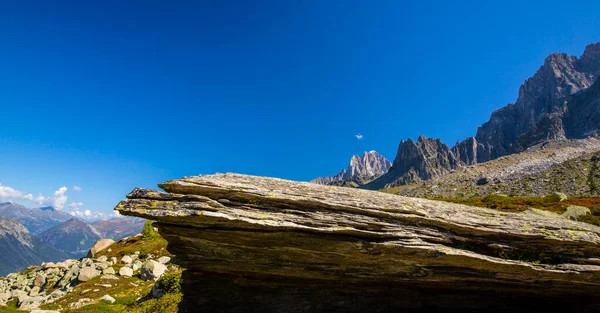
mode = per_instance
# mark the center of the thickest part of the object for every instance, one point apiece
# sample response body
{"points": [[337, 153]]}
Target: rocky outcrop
{"points": [[99, 246], [466, 151], [362, 169], [421, 160], [255, 244]]}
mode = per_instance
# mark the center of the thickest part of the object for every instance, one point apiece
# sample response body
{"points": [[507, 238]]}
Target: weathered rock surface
{"points": [[87, 273], [126, 271], [152, 270], [99, 246], [254, 244], [362, 170]]}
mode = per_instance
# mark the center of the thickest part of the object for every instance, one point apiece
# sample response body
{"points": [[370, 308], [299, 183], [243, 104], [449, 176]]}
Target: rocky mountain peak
{"points": [[363, 167], [420, 160], [590, 60], [538, 111]]}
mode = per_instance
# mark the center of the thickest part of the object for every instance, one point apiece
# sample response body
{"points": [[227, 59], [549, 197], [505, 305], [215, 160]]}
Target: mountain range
{"points": [[361, 170], [20, 249], [34, 235], [560, 102]]}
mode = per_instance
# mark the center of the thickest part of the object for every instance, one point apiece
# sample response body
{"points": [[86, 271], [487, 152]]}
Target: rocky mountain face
{"points": [[19, 249], [568, 166], [362, 169], [352, 250], [73, 237], [541, 105], [37, 220], [560, 101], [415, 161]]}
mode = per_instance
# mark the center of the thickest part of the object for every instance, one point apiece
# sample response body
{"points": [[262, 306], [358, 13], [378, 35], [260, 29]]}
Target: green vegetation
{"points": [[155, 245], [148, 233], [132, 294], [549, 203], [170, 282], [11, 307]]}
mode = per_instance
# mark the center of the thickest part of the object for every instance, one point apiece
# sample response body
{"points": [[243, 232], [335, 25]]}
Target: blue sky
{"points": [[110, 95]]}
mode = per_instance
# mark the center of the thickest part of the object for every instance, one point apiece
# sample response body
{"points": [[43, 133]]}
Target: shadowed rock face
{"points": [[255, 244]]}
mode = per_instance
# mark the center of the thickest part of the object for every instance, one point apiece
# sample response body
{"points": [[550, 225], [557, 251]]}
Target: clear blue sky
{"points": [[110, 95]]}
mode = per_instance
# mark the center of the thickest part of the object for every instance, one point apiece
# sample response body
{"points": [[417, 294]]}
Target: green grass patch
{"points": [[550, 203]]}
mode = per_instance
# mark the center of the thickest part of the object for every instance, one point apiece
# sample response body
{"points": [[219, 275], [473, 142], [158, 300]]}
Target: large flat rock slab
{"points": [[257, 244]]}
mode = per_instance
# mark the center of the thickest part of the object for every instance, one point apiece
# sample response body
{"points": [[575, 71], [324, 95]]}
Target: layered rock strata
{"points": [[256, 244]]}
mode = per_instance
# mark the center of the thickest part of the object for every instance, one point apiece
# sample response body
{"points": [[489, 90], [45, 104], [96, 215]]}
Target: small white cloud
{"points": [[58, 200], [40, 199], [7, 192], [75, 205], [77, 188], [117, 213], [87, 213], [358, 136]]}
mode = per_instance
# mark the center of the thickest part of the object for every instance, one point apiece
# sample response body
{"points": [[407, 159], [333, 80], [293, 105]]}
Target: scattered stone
{"points": [[101, 266], [152, 270], [483, 181], [80, 303], [108, 270], [126, 259], [109, 276], [102, 258], [4, 296], [561, 196], [574, 212], [99, 246], [137, 265], [30, 303], [113, 260], [39, 280], [48, 265], [108, 299], [87, 273], [164, 259], [34, 291], [126, 271], [44, 311]]}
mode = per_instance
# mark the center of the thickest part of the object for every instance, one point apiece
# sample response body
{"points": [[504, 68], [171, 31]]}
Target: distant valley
{"points": [[35, 235]]}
